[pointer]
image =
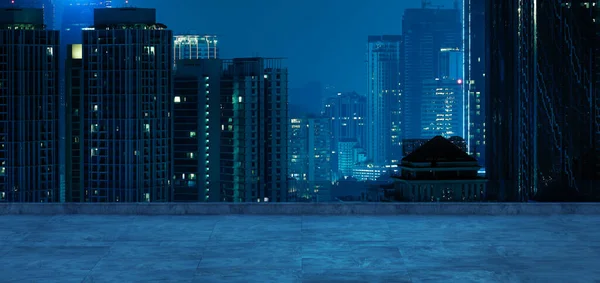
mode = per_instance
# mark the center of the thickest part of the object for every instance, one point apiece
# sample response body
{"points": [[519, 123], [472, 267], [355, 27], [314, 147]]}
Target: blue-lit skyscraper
{"points": [[384, 92], [425, 33], [474, 80]]}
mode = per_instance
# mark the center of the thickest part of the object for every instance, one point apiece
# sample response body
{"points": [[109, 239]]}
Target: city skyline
{"points": [[118, 68]]}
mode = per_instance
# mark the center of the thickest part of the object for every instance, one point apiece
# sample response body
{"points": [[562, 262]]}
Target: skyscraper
{"points": [[442, 108], [474, 76], [47, 5], [347, 113], [254, 136], [384, 68], [75, 16], [542, 127], [121, 98], [310, 156], [197, 130], [193, 46], [29, 170], [425, 33]]}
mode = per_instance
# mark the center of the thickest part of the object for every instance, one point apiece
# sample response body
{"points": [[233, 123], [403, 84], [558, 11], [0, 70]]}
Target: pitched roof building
{"points": [[440, 171]]}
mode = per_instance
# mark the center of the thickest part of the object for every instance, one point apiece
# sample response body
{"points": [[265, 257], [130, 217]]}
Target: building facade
{"points": [[29, 85], [442, 108], [384, 94], [197, 130], [121, 97], [542, 109], [474, 80], [347, 112], [425, 32], [310, 156], [193, 46], [254, 136]]}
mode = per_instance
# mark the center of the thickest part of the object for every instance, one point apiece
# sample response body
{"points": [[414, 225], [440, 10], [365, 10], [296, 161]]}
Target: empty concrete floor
{"points": [[329, 249]]}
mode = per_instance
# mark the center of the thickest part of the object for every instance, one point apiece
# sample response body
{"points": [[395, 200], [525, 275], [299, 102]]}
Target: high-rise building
{"points": [[543, 108], [310, 156], [384, 68], [197, 130], [254, 135], [425, 32], [47, 5], [474, 30], [347, 112], [346, 156], [442, 108], [75, 16], [29, 170], [120, 95], [194, 46]]}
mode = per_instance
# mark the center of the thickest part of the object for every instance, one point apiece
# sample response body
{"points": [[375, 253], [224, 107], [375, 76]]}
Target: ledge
{"points": [[353, 208]]}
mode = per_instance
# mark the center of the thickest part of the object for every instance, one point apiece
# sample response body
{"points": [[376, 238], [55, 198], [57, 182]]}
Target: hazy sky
{"points": [[323, 40]]}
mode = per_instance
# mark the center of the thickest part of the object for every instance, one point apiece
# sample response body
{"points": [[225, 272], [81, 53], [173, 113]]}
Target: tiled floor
{"points": [[328, 249]]}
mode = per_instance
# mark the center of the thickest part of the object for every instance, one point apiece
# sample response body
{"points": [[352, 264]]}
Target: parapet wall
{"points": [[346, 208]]}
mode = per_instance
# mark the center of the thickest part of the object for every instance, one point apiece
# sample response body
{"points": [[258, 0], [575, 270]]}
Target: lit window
{"points": [[192, 134], [147, 128], [94, 151], [177, 99]]}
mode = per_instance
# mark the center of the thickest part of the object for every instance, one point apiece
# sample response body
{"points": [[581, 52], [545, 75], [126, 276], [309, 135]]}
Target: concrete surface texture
{"points": [[281, 249], [340, 208]]}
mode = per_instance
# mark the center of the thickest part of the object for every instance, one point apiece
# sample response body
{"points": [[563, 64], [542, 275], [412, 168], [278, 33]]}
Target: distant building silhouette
{"points": [[440, 171]]}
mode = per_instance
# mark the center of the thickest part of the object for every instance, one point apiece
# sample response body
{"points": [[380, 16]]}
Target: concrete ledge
{"points": [[355, 208]]}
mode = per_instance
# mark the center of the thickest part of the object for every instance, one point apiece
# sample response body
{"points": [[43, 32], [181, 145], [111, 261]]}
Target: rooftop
{"points": [[228, 247]]}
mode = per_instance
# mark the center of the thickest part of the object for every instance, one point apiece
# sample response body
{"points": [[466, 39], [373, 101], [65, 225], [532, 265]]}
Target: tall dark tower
{"points": [[121, 99], [474, 76], [543, 106], [28, 108], [425, 32]]}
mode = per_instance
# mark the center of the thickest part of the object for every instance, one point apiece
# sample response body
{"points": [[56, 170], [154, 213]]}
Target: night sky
{"points": [[323, 40]]}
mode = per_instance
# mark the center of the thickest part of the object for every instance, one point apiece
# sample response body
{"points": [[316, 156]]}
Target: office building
{"points": [[347, 112], [384, 71], [474, 30], [29, 169], [254, 135], [310, 156], [120, 95], [442, 108], [197, 130], [543, 110], [425, 32], [194, 46], [346, 156]]}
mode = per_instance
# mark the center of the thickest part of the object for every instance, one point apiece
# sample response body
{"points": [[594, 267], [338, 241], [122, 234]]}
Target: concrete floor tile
{"points": [[356, 276], [337, 255], [264, 254], [37, 275], [73, 258], [245, 275], [141, 276]]}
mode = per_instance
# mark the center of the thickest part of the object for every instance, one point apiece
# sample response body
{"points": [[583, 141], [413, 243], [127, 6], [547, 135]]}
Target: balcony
{"points": [[300, 242]]}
